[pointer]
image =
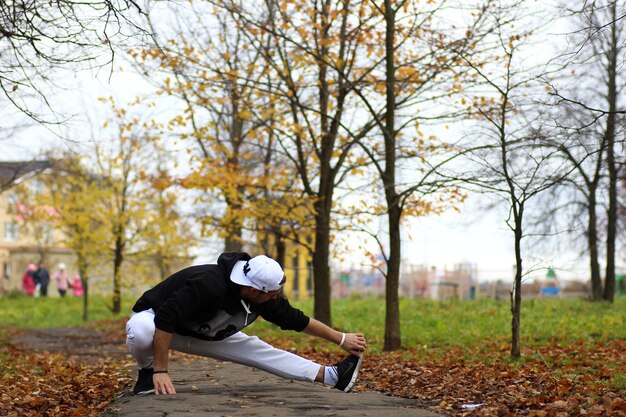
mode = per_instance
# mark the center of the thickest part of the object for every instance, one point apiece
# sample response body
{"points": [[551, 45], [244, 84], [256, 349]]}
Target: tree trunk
{"points": [[592, 240], [233, 242], [323, 204], [609, 286], [83, 280], [117, 280], [281, 249], [321, 270], [163, 265], [516, 294], [394, 210], [392, 301]]}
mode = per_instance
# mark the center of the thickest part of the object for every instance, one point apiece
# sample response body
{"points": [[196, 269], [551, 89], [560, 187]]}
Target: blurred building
{"points": [[22, 243], [299, 272], [458, 283], [418, 281], [415, 281]]}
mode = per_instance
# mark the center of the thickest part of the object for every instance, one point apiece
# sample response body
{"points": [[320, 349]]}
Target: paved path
{"points": [[206, 387]]}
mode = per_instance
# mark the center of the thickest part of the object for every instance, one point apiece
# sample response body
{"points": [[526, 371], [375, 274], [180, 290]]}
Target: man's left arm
{"points": [[354, 343]]}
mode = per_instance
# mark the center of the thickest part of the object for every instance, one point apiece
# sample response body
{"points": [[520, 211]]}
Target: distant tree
{"points": [[118, 162], [509, 150], [331, 101], [74, 197], [313, 50], [39, 36], [165, 233], [581, 195], [243, 113], [226, 121], [597, 58], [420, 65]]}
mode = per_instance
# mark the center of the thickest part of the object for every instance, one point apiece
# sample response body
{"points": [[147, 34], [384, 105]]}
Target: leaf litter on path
{"points": [[556, 380]]}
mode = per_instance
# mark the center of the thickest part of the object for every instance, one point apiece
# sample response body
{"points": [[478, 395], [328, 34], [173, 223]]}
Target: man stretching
{"points": [[202, 309]]}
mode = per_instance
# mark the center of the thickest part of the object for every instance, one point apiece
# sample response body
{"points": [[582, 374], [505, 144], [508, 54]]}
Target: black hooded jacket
{"points": [[201, 301]]}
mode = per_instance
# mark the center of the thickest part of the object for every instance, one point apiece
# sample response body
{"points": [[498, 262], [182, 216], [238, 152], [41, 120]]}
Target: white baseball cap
{"points": [[260, 272]]}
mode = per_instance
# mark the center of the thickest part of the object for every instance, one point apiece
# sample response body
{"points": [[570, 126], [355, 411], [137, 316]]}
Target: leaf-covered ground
{"points": [[535, 388], [555, 380], [51, 384]]}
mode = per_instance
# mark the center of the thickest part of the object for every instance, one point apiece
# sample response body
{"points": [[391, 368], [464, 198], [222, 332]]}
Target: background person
{"points": [[62, 279], [42, 278], [202, 309], [77, 286], [28, 280]]}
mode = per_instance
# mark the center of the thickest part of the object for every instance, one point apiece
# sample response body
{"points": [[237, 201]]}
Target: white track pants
{"points": [[239, 348]]}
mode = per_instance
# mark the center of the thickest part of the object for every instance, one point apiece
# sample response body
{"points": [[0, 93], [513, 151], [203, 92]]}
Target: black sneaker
{"points": [[144, 384], [347, 371]]}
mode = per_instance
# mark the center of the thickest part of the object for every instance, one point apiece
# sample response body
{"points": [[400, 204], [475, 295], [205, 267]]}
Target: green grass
{"points": [[425, 324], [478, 330], [20, 312], [428, 324], [619, 382]]}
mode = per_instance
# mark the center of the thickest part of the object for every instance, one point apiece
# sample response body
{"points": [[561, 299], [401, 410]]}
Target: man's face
{"points": [[258, 297]]}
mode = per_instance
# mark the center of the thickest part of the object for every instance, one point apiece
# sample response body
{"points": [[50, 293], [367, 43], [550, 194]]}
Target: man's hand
{"points": [[160, 347], [355, 343], [163, 384]]}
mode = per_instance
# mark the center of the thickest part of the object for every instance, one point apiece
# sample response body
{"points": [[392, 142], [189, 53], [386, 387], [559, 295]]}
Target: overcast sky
{"points": [[475, 235]]}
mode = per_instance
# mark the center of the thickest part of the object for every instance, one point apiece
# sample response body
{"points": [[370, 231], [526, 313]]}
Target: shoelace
{"points": [[248, 312]]}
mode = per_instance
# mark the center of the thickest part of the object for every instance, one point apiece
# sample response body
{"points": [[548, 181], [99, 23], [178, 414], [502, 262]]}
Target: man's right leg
{"points": [[240, 348], [139, 337], [252, 351]]}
